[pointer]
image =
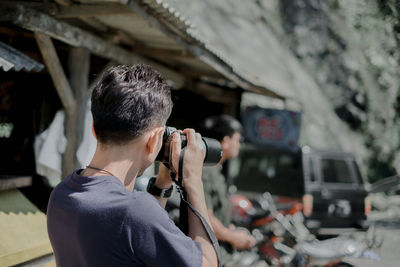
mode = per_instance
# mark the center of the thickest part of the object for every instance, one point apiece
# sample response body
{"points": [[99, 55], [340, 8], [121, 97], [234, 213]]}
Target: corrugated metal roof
{"points": [[11, 58], [183, 24], [241, 42], [179, 21], [156, 24], [154, 30]]}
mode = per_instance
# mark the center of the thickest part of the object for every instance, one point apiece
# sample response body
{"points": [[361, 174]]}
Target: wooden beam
{"points": [[67, 9], [10, 3], [94, 10], [156, 52], [69, 160], [40, 22], [79, 66], [213, 93], [93, 22], [17, 32], [191, 72], [63, 2], [11, 182], [53, 65]]}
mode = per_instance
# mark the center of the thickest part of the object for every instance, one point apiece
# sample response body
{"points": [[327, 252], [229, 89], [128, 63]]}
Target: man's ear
{"points": [[155, 137], [93, 131]]}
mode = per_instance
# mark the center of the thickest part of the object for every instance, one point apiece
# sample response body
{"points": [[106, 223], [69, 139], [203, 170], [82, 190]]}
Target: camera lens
{"points": [[213, 151], [212, 148]]}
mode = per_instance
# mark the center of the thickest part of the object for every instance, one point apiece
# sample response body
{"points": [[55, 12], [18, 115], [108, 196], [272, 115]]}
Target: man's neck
{"points": [[119, 161]]}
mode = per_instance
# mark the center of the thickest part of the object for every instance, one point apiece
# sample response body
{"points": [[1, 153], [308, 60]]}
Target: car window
{"points": [[278, 174], [336, 171]]}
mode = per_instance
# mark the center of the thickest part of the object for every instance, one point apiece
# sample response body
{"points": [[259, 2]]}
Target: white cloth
{"points": [[49, 147]]}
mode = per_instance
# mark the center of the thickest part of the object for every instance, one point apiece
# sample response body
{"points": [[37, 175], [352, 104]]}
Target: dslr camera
{"points": [[212, 148]]}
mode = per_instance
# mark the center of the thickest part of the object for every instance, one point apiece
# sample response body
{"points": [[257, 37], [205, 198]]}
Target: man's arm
{"points": [[192, 169], [239, 239]]}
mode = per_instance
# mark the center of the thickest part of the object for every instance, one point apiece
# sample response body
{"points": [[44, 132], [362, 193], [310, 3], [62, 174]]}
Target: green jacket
{"points": [[217, 199], [216, 194]]}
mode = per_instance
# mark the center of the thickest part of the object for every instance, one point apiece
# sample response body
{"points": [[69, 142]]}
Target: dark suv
{"points": [[328, 183]]}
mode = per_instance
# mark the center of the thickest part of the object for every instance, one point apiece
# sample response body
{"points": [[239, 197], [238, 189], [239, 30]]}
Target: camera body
{"points": [[212, 148]]}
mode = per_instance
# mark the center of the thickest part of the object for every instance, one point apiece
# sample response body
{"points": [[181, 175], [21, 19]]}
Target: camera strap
{"points": [[183, 214]]}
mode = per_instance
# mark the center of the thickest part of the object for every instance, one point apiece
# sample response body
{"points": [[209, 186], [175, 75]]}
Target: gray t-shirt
{"points": [[96, 221]]}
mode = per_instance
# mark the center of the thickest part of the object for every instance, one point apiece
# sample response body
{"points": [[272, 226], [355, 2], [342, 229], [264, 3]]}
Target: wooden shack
{"points": [[60, 49]]}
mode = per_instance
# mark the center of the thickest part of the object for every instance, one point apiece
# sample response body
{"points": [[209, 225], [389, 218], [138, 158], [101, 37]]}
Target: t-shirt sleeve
{"points": [[154, 238]]}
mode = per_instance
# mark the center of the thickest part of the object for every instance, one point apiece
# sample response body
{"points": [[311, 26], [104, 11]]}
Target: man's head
{"points": [[227, 130], [128, 101]]}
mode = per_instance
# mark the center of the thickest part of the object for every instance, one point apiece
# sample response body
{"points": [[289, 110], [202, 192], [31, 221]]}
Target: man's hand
{"points": [[240, 239], [192, 169], [193, 158]]}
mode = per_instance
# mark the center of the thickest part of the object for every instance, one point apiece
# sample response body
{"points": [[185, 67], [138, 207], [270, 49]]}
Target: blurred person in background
{"points": [[227, 130]]}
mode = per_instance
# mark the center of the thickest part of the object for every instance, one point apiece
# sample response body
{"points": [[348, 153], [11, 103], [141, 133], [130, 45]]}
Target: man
{"points": [[227, 130], [94, 216]]}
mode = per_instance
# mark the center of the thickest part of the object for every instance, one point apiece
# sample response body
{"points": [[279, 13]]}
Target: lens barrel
{"points": [[213, 151], [212, 148]]}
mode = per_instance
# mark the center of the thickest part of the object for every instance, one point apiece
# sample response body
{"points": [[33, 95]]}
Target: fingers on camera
{"points": [[176, 140], [198, 137], [190, 134]]}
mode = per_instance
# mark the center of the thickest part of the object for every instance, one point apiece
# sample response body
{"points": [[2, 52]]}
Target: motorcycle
{"points": [[284, 240], [269, 233]]}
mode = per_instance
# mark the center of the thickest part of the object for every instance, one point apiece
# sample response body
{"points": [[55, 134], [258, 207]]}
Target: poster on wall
{"points": [[274, 128]]}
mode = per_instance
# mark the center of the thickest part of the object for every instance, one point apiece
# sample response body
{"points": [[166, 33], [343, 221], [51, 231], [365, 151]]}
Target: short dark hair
{"points": [[127, 101], [220, 126]]}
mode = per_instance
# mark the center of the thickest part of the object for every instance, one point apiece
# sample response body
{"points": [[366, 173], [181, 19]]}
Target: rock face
{"points": [[352, 50], [337, 60]]}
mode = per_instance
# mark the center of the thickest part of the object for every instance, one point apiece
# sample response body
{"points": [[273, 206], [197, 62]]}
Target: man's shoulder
{"points": [[110, 195], [60, 189], [144, 207]]}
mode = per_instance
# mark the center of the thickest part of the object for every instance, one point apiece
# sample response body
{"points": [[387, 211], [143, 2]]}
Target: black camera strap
{"points": [[183, 214]]}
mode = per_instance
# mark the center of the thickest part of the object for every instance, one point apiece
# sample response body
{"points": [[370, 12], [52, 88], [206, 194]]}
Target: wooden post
{"points": [[79, 66], [53, 65], [66, 95]]}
